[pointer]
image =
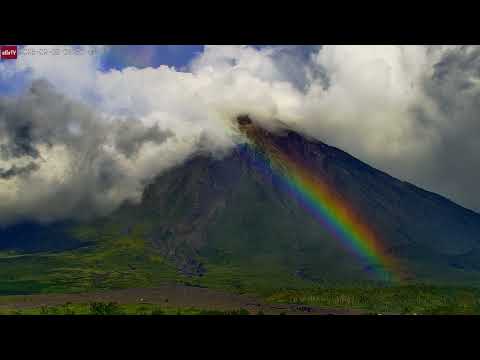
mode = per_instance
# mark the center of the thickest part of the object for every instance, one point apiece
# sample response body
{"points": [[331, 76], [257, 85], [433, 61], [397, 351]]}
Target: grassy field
{"points": [[121, 261], [128, 265], [407, 300], [111, 308], [116, 261], [418, 299]]}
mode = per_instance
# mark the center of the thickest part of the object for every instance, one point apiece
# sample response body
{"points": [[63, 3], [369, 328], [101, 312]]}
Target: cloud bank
{"points": [[83, 138], [59, 160]]}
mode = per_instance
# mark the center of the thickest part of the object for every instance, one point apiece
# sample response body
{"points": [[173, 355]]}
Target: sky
{"points": [[81, 132], [142, 56]]}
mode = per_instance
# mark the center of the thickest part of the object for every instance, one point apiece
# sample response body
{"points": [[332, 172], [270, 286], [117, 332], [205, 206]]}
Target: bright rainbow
{"points": [[316, 196]]}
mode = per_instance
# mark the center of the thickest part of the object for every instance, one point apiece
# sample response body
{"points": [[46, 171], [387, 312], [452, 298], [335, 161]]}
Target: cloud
{"points": [[62, 160], [453, 165], [408, 110], [69, 68], [17, 171]]}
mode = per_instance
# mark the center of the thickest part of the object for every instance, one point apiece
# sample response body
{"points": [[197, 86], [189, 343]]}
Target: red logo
{"points": [[8, 52]]}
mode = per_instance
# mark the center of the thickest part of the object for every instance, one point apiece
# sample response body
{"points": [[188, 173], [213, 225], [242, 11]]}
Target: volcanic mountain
{"points": [[284, 206]]}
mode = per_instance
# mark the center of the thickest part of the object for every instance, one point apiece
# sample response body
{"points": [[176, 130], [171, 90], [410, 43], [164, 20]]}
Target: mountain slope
{"points": [[231, 222], [232, 211]]}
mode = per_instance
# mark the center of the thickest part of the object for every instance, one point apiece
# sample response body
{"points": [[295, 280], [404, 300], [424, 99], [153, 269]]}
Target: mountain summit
{"points": [[308, 209]]}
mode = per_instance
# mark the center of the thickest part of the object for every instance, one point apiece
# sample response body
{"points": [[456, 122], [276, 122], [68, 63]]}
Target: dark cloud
{"points": [[453, 168], [17, 171], [295, 63], [132, 134], [78, 161]]}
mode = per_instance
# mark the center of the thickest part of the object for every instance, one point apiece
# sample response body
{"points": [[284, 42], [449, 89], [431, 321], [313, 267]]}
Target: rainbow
{"points": [[321, 200]]}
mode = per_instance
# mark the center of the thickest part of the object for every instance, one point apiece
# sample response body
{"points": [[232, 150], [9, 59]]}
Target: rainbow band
{"points": [[321, 201]]}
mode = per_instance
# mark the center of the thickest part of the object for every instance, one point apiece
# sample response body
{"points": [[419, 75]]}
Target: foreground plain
{"points": [[190, 300]]}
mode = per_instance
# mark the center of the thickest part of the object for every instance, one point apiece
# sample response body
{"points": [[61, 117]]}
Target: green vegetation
{"points": [[404, 300], [113, 261], [119, 260], [224, 225], [111, 308], [418, 299], [115, 258]]}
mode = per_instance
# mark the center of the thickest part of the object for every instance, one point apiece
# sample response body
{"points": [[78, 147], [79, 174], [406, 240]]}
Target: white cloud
{"points": [[372, 101], [70, 69]]}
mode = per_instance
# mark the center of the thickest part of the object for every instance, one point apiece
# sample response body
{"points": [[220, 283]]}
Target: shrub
{"points": [[101, 308]]}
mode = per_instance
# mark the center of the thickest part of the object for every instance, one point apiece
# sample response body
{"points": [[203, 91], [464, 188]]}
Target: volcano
{"points": [[284, 206]]}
